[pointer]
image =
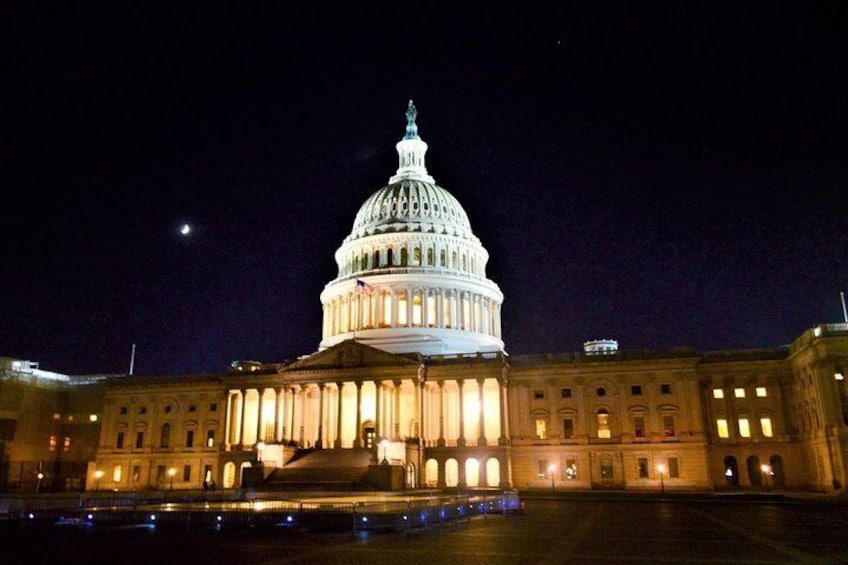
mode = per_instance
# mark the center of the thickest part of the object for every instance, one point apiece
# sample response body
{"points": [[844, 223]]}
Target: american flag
{"points": [[362, 286]]}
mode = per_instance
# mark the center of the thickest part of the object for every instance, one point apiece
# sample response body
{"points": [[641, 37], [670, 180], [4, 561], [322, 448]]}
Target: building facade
{"points": [[411, 368]]}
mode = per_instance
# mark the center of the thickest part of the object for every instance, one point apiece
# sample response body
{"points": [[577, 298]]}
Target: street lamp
{"points": [[171, 473], [40, 476], [551, 469], [766, 469], [98, 474], [661, 470], [384, 444]]}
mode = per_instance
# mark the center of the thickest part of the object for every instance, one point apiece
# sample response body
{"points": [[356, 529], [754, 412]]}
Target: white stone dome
{"points": [[410, 205], [412, 275]]}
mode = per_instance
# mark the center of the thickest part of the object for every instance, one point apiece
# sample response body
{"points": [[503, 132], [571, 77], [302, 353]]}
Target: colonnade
{"points": [[412, 307], [357, 414]]}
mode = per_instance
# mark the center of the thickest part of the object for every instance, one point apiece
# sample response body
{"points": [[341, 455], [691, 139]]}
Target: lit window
{"points": [[541, 429], [739, 392], [92, 417], [210, 438], [643, 467], [718, 393], [744, 427], [721, 426], [53, 443], [542, 469], [66, 443], [761, 391], [765, 425], [603, 424], [568, 428], [117, 471], [570, 469], [57, 416]]}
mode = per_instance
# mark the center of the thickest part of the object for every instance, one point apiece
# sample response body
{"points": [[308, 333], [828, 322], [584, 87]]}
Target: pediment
{"points": [[349, 354]]}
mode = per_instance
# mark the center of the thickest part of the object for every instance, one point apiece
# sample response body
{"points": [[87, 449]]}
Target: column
{"points": [[357, 439], [293, 404], [502, 395], [461, 439], [481, 438], [278, 421], [304, 394], [319, 443], [441, 440], [243, 414], [396, 411], [259, 430], [409, 296], [378, 417], [338, 441], [228, 425]]}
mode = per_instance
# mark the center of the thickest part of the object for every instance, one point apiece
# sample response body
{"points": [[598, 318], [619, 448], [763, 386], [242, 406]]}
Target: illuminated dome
{"points": [[412, 274]]}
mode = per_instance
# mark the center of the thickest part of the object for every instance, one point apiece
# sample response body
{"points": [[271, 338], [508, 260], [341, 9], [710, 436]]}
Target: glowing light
{"points": [[185, 229]]}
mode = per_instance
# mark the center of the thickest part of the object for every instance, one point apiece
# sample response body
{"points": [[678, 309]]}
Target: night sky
{"points": [[660, 173]]}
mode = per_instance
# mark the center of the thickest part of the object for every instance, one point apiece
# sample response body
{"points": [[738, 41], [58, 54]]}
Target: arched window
{"points": [[451, 473], [777, 472], [404, 256], [431, 260], [431, 473], [755, 474], [731, 471], [416, 255], [493, 472], [376, 258], [389, 257], [443, 262], [472, 472]]}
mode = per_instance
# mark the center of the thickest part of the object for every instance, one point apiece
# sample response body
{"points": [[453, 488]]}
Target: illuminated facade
{"points": [[411, 371]]}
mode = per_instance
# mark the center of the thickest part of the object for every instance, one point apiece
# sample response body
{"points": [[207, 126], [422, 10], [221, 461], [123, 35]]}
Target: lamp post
{"points": [[766, 469], [661, 470], [98, 474], [39, 476], [384, 444], [171, 473], [551, 469]]}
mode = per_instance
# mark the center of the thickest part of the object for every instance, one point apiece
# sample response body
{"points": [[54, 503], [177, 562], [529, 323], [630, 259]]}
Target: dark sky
{"points": [[660, 173]]}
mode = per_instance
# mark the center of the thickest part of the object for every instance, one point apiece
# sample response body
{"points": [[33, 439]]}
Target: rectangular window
{"points": [[568, 428], [744, 427], [673, 467], [139, 440], [565, 393], [53, 443], [119, 440], [117, 471], [739, 392], [142, 410], [213, 407], [186, 473], [761, 392], [57, 416], [92, 417], [7, 429], [541, 429], [603, 425], [136, 473], [122, 410], [665, 388], [668, 426], [192, 407], [160, 473], [189, 438], [538, 394], [606, 468], [210, 438], [639, 427], [542, 469], [765, 425], [643, 467], [721, 427], [718, 393], [66, 444], [636, 390]]}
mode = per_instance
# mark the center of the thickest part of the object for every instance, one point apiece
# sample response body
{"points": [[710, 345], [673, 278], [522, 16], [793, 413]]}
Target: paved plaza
{"points": [[550, 530]]}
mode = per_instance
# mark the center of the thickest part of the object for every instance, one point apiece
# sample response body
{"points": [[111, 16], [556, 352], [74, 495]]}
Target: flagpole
{"points": [[844, 312], [132, 359]]}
